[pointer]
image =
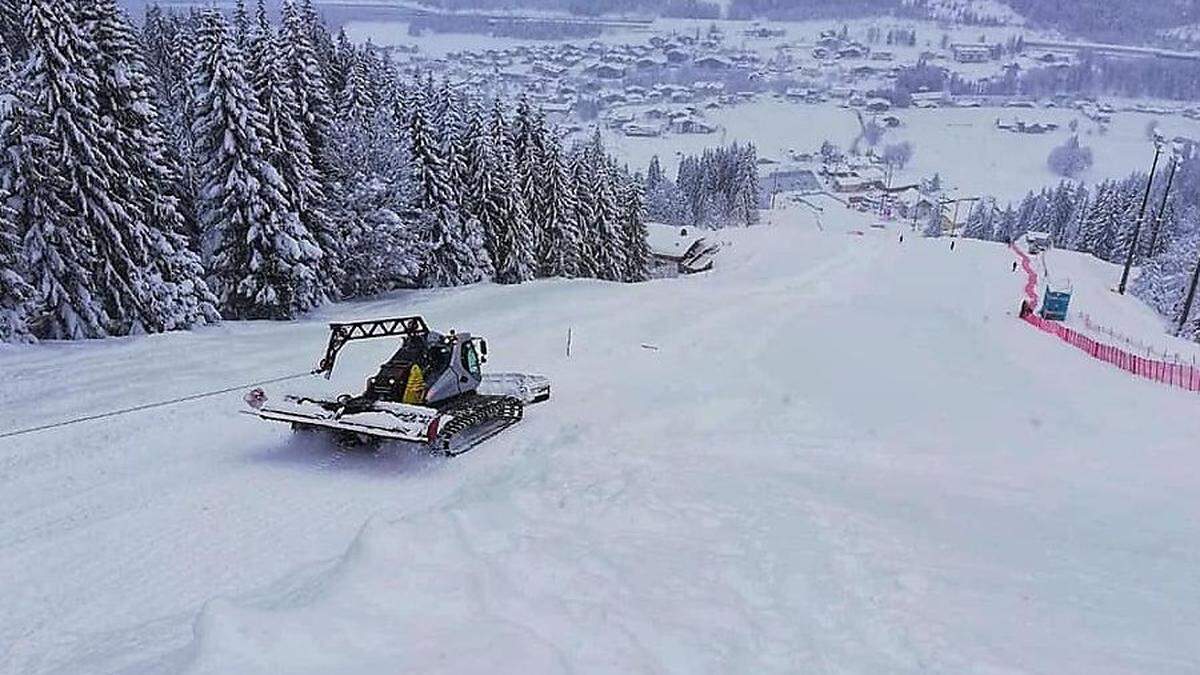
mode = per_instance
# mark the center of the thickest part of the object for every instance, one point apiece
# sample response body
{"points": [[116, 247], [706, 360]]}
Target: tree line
{"points": [[207, 167], [718, 188], [1122, 21], [803, 10], [1090, 74]]}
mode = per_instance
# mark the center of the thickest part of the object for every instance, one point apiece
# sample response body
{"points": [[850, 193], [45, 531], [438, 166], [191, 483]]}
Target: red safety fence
{"points": [[1175, 374]]}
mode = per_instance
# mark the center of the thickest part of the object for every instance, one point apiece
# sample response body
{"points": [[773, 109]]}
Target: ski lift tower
{"points": [[944, 203]]}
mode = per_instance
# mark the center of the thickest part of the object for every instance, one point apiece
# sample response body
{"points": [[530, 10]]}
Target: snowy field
{"points": [[776, 127], [960, 144], [978, 159], [843, 454]]}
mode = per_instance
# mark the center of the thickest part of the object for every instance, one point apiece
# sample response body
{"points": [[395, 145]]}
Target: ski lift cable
{"points": [[149, 406]]}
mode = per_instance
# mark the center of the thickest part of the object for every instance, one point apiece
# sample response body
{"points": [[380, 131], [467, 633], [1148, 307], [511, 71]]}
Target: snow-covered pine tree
{"points": [[168, 55], [493, 187], [529, 186], [664, 203], [465, 143], [524, 136], [633, 230], [322, 43], [979, 222], [477, 180], [1069, 234], [451, 260], [688, 181], [1041, 219], [654, 174], [266, 261], [356, 99], [450, 121], [505, 221], [750, 182], [539, 171], [288, 150], [1161, 229], [12, 36], [1090, 220], [394, 94], [164, 68], [585, 214], [300, 34], [1124, 226], [717, 189], [259, 53], [55, 244], [517, 262], [1102, 227], [372, 190], [712, 210], [1006, 225], [1062, 207], [82, 257], [16, 295], [340, 61], [174, 294], [933, 225], [1026, 213], [609, 245], [558, 253], [527, 143], [743, 189], [241, 23], [1164, 280], [1073, 232]]}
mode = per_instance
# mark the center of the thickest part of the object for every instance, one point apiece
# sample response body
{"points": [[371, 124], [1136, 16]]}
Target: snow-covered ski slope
{"points": [[842, 454]]}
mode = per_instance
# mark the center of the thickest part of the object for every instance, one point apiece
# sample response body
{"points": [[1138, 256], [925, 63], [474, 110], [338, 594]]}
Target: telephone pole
{"points": [[1187, 305], [1162, 208], [1137, 228]]}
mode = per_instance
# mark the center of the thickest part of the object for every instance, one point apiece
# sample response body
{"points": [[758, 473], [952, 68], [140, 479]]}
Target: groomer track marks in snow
{"points": [[846, 455]]}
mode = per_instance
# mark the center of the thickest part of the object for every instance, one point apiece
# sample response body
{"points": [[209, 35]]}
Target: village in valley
{"points": [[833, 108]]}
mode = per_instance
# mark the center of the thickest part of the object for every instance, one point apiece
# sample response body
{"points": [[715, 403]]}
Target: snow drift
{"points": [[843, 453]]}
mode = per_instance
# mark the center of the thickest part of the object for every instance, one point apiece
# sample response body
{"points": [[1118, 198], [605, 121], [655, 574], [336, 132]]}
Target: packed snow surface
{"points": [[837, 452]]}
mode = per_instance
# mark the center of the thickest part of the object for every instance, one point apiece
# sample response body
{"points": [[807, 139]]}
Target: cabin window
{"points": [[439, 358], [470, 359]]}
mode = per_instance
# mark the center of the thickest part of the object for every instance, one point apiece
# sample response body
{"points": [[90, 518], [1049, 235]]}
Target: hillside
{"points": [[1120, 21], [835, 452]]}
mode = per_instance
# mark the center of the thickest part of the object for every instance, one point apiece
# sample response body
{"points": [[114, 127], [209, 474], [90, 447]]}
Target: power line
{"points": [[148, 406]]}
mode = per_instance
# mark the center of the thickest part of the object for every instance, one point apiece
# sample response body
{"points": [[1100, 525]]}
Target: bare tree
{"points": [[898, 155], [872, 133]]}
